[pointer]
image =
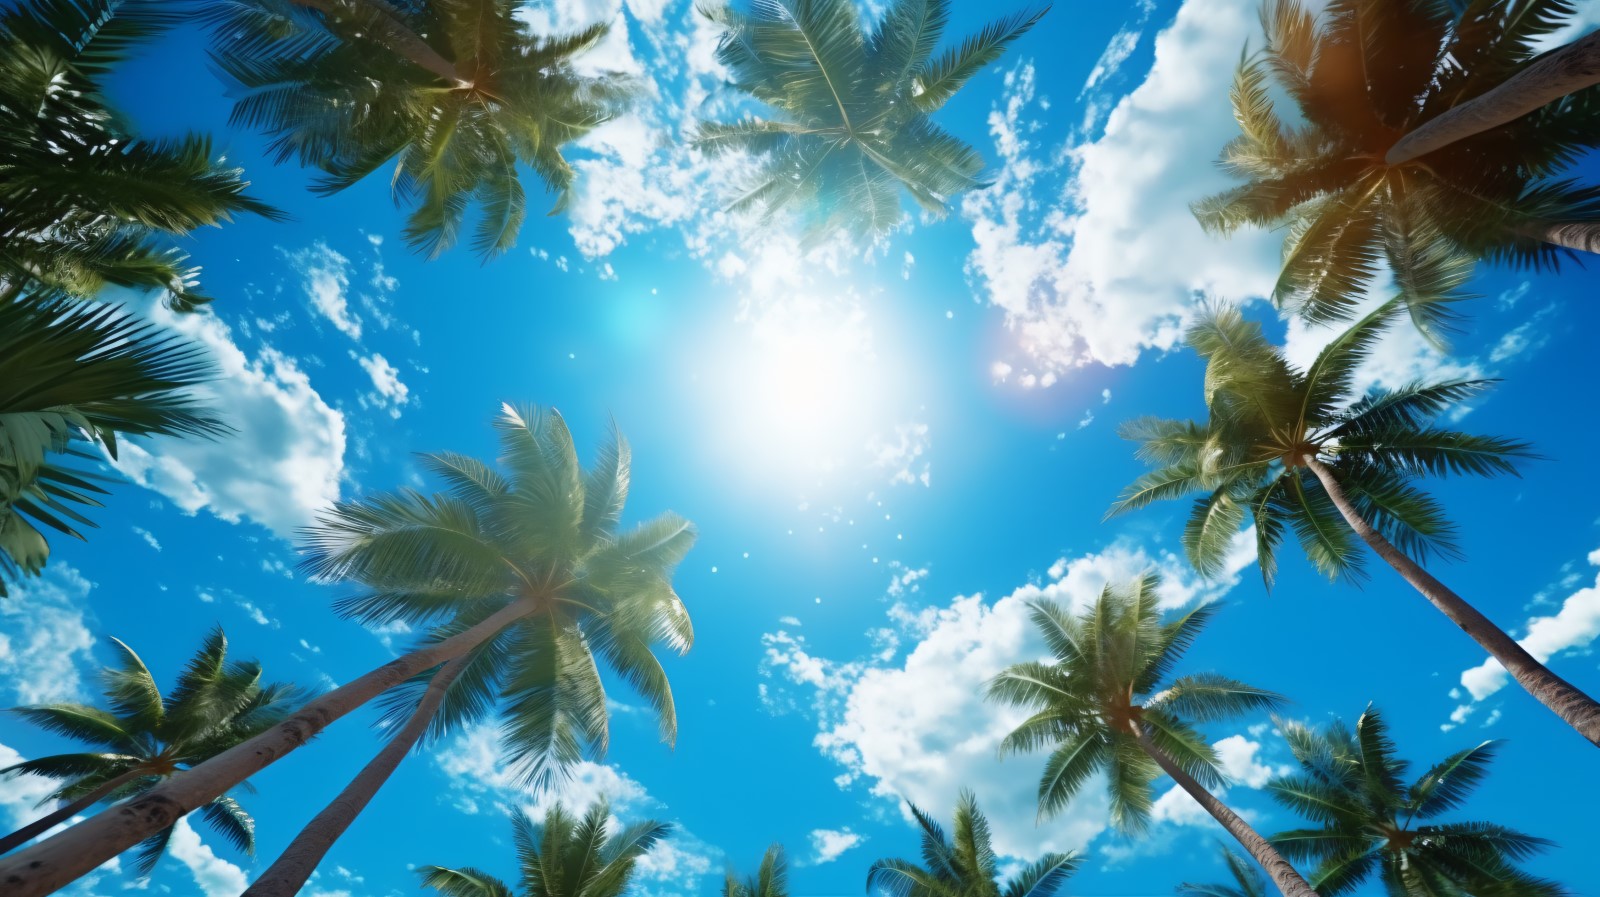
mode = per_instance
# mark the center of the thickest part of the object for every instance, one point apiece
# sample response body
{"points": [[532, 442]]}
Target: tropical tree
{"points": [[84, 203], [73, 376], [1102, 703], [964, 865], [1360, 76], [1247, 880], [1371, 822], [561, 855], [145, 737], [456, 94], [852, 108], [1300, 450], [771, 878]]}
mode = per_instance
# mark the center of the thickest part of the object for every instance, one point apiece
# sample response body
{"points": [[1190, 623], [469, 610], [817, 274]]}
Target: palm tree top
{"points": [[1267, 417], [771, 878], [1355, 786], [963, 864], [851, 106]]}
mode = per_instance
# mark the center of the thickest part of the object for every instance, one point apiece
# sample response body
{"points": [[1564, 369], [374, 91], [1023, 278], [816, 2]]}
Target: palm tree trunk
{"points": [[1584, 236], [1550, 77], [58, 860], [394, 34], [50, 820], [288, 873], [1289, 881], [1580, 711]]}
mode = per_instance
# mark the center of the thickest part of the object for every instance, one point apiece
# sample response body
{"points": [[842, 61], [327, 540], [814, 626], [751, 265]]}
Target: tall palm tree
{"points": [[1299, 450], [770, 880], [1361, 75], [542, 537], [457, 94], [78, 374], [852, 108], [1247, 880], [146, 737], [964, 865], [1372, 822], [561, 855], [83, 202], [1103, 703]]}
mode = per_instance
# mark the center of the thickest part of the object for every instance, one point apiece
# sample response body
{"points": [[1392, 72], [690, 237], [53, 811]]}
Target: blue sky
{"points": [[887, 451]]}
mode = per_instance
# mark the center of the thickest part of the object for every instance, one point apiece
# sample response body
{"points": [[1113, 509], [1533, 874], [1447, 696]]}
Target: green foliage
{"points": [[1361, 75], [963, 864], [542, 529], [343, 91], [76, 375], [852, 125], [1267, 415], [563, 856], [771, 878], [1352, 784], [83, 202], [145, 737], [1105, 695], [1248, 881]]}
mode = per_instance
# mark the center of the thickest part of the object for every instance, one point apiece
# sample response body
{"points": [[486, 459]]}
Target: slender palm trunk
{"points": [[394, 34], [1584, 236], [1580, 711], [1549, 78], [1283, 875], [288, 873], [61, 859], [49, 821]]}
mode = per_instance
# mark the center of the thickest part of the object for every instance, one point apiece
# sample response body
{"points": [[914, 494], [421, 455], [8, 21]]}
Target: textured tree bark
{"points": [[45, 823], [62, 858], [1584, 236], [1289, 881], [1580, 711], [288, 873], [1549, 78], [395, 35]]}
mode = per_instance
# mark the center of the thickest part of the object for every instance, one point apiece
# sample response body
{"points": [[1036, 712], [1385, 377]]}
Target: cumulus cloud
{"points": [[21, 795], [387, 390], [827, 844], [43, 638], [215, 876], [285, 461], [325, 275]]}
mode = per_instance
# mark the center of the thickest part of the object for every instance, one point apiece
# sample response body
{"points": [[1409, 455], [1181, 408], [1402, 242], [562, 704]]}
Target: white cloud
{"points": [[828, 844], [325, 274], [215, 876], [148, 537], [20, 795], [388, 391], [902, 455], [285, 461], [43, 639]]}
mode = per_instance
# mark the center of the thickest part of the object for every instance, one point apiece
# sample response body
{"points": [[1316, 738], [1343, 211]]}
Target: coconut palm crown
{"points": [[1372, 822], [456, 94], [542, 531], [851, 121], [771, 878], [1361, 74], [562, 855], [84, 203], [145, 737], [962, 864], [1266, 416]]}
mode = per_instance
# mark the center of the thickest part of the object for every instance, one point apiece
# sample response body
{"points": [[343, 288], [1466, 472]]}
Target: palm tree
{"points": [[146, 737], [562, 855], [771, 878], [545, 533], [1362, 75], [1103, 704], [78, 374], [852, 108], [965, 865], [457, 94], [1247, 878], [83, 202], [1352, 785], [1300, 451]]}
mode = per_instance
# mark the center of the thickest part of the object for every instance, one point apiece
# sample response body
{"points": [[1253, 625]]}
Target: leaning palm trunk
{"points": [[44, 824], [394, 34], [1283, 874], [1580, 711], [1549, 78], [56, 861], [1582, 236], [288, 873]]}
